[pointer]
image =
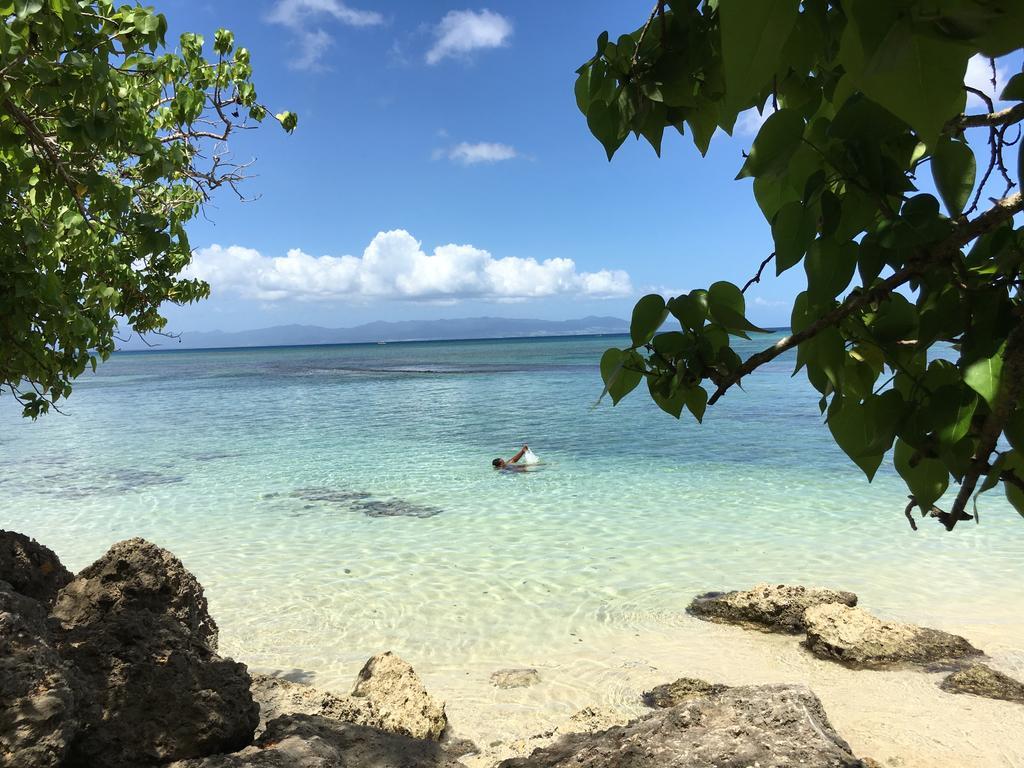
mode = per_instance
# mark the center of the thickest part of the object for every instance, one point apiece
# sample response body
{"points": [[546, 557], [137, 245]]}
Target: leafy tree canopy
{"points": [[109, 145], [912, 323]]}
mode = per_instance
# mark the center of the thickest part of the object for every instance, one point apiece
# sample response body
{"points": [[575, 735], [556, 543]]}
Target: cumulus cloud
{"points": [[302, 18], [395, 266], [979, 76], [460, 33], [481, 152]]}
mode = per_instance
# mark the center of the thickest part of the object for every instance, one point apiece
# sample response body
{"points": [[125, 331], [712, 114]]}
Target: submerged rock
{"points": [[306, 741], [136, 576], [37, 703], [522, 677], [767, 607], [135, 628], [982, 680], [771, 726], [400, 702], [854, 637], [683, 689], [30, 568]]}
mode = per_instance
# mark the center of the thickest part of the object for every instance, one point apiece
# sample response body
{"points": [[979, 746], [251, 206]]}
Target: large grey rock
{"points": [[30, 568], [305, 741], [133, 626], [519, 677], [766, 607], [134, 576], [982, 680], [772, 726], [854, 637], [37, 703], [400, 702], [683, 689]]}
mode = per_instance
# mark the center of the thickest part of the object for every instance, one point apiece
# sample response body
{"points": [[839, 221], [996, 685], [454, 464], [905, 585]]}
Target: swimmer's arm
{"points": [[519, 455]]}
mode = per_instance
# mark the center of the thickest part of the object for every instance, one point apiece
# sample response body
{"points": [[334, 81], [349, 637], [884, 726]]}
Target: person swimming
{"points": [[512, 464]]}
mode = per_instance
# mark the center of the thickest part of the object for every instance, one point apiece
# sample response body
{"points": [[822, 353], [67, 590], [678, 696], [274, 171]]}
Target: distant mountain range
{"points": [[405, 330]]}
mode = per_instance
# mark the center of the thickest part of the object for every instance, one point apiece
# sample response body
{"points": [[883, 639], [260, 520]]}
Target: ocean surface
{"points": [[339, 501]]}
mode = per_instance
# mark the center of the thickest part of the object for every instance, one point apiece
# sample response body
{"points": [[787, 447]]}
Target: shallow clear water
{"points": [[339, 501]]}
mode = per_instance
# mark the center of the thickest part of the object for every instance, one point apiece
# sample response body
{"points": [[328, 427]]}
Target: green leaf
{"points": [[619, 380], [1015, 430], [605, 122], [774, 145], [661, 393], [983, 376], [690, 310], [853, 431], [648, 315], [1015, 496], [926, 478], [916, 75], [1014, 90], [793, 230], [954, 170], [696, 399], [727, 307], [753, 35]]}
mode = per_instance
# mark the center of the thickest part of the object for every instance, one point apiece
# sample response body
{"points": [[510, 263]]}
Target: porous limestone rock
{"points": [[307, 741], [519, 677], [770, 726], [37, 702], [277, 696], [982, 680], [134, 576], [854, 637], [30, 568], [135, 629], [400, 702], [683, 689], [766, 607]]}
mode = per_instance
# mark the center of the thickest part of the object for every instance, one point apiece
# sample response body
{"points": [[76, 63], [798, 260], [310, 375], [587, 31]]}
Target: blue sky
{"points": [[442, 164]]}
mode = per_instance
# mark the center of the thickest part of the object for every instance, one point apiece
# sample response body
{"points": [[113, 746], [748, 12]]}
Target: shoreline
{"points": [[898, 717]]}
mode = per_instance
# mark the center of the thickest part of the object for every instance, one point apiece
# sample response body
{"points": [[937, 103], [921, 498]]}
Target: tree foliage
{"points": [[109, 145], [911, 326]]}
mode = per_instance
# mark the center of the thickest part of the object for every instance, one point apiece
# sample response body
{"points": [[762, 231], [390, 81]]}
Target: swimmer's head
{"points": [[498, 463]]}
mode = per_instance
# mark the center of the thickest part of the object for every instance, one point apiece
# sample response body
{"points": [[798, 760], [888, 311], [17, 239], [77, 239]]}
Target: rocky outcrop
{"points": [[854, 637], [683, 689], [982, 680], [277, 696], [37, 703], [136, 576], [305, 741], [30, 568], [388, 695], [400, 703], [772, 726], [135, 629], [520, 677], [766, 607]]}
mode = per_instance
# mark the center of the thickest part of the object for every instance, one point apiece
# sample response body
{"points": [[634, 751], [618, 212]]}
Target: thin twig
{"points": [[757, 278]]}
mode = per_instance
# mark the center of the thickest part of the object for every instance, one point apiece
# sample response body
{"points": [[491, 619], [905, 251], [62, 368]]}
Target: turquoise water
{"points": [[337, 501]]}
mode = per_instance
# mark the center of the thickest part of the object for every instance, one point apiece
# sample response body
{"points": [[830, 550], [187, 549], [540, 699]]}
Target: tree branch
{"points": [[1009, 116], [1002, 211]]}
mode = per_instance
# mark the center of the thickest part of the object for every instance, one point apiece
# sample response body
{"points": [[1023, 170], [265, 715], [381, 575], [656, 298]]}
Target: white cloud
{"points": [[481, 152], [394, 266], [461, 32], [979, 75], [302, 18]]}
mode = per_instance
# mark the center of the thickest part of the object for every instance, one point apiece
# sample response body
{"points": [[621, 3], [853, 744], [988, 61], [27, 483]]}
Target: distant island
{"points": [[381, 331]]}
